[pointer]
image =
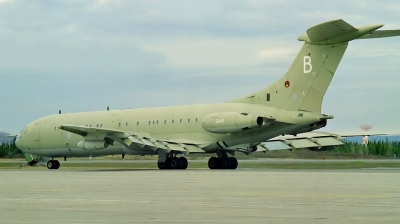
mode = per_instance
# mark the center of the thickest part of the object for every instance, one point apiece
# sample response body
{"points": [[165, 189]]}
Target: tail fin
{"points": [[305, 83]]}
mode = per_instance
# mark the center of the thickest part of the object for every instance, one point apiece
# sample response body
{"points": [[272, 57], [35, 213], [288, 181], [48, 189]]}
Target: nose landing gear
{"points": [[53, 164]]}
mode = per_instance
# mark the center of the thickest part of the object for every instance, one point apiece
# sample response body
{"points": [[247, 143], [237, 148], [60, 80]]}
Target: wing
{"points": [[95, 137], [313, 140]]}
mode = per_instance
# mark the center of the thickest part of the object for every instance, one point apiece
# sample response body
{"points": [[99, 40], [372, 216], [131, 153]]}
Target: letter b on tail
{"points": [[307, 64]]}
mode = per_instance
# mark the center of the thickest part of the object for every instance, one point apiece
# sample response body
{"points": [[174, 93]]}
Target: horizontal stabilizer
{"points": [[381, 33], [329, 30], [335, 32]]}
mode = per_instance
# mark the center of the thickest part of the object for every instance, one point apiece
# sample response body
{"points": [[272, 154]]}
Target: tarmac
{"points": [[199, 196]]}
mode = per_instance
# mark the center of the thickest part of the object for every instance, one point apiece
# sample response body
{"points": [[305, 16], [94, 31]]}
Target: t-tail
{"points": [[305, 83]]}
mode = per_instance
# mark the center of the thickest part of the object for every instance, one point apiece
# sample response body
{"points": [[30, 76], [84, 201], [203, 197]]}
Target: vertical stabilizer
{"points": [[305, 83]]}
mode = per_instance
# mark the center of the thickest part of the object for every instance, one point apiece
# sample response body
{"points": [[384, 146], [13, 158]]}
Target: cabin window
{"points": [[90, 125], [119, 124], [101, 125], [97, 125], [137, 123], [165, 121], [180, 121], [172, 121], [149, 122], [157, 121], [153, 122], [189, 120], [196, 119], [55, 128], [126, 124], [268, 97]]}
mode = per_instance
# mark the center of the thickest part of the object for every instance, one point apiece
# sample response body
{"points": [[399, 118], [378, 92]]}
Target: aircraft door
{"points": [[150, 125]]}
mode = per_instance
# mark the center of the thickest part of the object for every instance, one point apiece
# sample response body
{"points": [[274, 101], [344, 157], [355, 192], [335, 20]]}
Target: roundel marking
{"points": [[287, 84]]}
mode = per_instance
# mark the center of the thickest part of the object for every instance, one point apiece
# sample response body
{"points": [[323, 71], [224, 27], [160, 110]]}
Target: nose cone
{"points": [[20, 141]]}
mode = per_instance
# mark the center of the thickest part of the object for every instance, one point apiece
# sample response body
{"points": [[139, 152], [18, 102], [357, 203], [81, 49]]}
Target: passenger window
{"points": [[126, 124], [137, 123], [180, 121], [268, 97], [172, 121], [165, 121], [189, 120]]}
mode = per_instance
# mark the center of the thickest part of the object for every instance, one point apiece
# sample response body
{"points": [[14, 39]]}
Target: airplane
{"points": [[290, 106]]}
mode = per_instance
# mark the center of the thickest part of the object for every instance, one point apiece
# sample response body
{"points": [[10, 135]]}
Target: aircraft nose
{"points": [[19, 140]]}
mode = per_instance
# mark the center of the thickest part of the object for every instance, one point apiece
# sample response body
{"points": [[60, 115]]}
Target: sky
{"points": [[78, 56]]}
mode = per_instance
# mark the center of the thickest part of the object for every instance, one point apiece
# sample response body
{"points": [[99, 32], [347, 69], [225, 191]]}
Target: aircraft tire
{"points": [[213, 163], [50, 164], [56, 164], [176, 163], [184, 162], [224, 163], [234, 163], [164, 165]]}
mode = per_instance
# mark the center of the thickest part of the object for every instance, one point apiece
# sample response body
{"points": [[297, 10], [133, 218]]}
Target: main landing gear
{"points": [[173, 163], [53, 164], [222, 162]]}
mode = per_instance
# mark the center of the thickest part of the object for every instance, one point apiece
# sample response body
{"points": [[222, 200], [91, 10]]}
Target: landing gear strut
{"points": [[173, 162], [222, 162], [53, 164]]}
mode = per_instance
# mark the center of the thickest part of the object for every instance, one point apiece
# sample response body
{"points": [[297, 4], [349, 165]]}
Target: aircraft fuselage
{"points": [[179, 124]]}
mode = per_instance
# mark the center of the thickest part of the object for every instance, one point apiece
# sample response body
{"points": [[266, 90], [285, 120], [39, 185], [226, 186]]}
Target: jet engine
{"points": [[311, 127], [92, 145], [234, 122]]}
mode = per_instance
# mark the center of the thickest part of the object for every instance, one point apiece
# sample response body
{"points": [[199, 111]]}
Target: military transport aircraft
{"points": [[290, 106]]}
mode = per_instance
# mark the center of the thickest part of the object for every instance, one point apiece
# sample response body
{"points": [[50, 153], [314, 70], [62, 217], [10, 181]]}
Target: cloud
{"points": [[84, 55], [6, 1]]}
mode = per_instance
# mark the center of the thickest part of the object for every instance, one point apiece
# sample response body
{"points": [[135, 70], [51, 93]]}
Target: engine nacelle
{"points": [[311, 127], [92, 145], [234, 122]]}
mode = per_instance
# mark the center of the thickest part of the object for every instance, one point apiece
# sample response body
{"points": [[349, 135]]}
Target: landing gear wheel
{"points": [[224, 163], [233, 162], [53, 164], [176, 163], [184, 163], [163, 165], [50, 164], [213, 163], [56, 164]]}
